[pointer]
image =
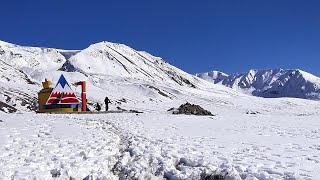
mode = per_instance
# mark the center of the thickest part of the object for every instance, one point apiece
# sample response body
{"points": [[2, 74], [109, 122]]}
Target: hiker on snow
{"points": [[107, 101]]}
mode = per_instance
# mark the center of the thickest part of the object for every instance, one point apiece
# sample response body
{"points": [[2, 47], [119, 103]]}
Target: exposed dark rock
{"points": [[13, 96], [187, 82], [68, 67], [7, 108], [2, 51], [177, 78], [120, 101], [123, 100], [191, 109], [212, 177], [26, 77], [131, 110], [120, 109], [252, 112], [172, 109], [89, 177], [110, 56], [159, 91], [135, 111], [55, 173]]}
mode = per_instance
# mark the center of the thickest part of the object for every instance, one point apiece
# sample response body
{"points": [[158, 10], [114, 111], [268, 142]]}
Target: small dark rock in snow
{"points": [[55, 173], [135, 111], [1, 120], [123, 100], [191, 109], [89, 177], [252, 112], [119, 108], [212, 177]]}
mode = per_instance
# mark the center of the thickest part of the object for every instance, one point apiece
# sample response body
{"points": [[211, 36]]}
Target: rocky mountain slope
{"points": [[270, 83]]}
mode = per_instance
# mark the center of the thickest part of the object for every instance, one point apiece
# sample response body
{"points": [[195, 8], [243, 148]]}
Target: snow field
{"points": [[159, 145], [34, 146], [259, 146]]}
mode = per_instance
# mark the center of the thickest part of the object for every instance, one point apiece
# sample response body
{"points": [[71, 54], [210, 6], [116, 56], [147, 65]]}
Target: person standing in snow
{"points": [[107, 101]]}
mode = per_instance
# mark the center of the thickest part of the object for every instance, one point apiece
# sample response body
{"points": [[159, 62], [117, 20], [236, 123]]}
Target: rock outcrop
{"points": [[191, 109]]}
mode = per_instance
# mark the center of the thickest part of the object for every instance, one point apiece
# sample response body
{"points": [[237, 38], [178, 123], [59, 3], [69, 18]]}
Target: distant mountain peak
{"points": [[270, 83]]}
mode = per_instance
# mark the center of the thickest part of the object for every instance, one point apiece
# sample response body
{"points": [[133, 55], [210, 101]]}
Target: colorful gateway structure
{"points": [[61, 98]]}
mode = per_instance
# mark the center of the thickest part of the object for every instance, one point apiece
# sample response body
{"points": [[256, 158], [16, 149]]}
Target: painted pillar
{"points": [[83, 95]]}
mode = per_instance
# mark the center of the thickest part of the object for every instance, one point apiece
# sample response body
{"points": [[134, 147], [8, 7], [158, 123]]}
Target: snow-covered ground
{"points": [[280, 141]]}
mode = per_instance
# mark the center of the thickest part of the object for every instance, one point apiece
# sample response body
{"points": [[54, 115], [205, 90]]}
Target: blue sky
{"points": [[196, 36]]}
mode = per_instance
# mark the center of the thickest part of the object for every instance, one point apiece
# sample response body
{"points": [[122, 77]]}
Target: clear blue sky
{"points": [[196, 36]]}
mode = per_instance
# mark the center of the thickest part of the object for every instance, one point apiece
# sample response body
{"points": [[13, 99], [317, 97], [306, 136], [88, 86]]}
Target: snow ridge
{"points": [[272, 83]]}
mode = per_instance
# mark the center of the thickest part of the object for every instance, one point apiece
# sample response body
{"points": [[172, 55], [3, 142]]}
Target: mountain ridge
{"points": [[270, 83], [121, 72], [109, 68]]}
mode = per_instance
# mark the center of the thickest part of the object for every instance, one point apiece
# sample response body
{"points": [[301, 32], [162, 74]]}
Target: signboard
{"points": [[62, 93]]}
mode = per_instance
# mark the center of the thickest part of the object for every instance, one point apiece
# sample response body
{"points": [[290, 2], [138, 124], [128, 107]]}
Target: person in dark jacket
{"points": [[98, 107], [107, 101]]}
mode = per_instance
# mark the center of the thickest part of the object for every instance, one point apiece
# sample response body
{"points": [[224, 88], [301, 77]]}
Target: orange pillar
{"points": [[84, 96]]}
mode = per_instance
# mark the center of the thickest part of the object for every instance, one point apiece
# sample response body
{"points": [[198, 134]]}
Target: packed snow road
{"points": [[157, 146]]}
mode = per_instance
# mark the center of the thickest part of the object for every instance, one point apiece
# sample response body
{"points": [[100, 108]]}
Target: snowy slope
{"points": [[31, 58], [270, 83], [17, 66], [12, 96], [110, 69], [119, 60]]}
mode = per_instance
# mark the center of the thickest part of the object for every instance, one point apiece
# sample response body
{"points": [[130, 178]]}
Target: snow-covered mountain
{"points": [[110, 69], [119, 60], [270, 83]]}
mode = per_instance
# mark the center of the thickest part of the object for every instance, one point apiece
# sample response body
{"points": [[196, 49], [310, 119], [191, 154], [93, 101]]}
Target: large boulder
{"points": [[191, 109]]}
